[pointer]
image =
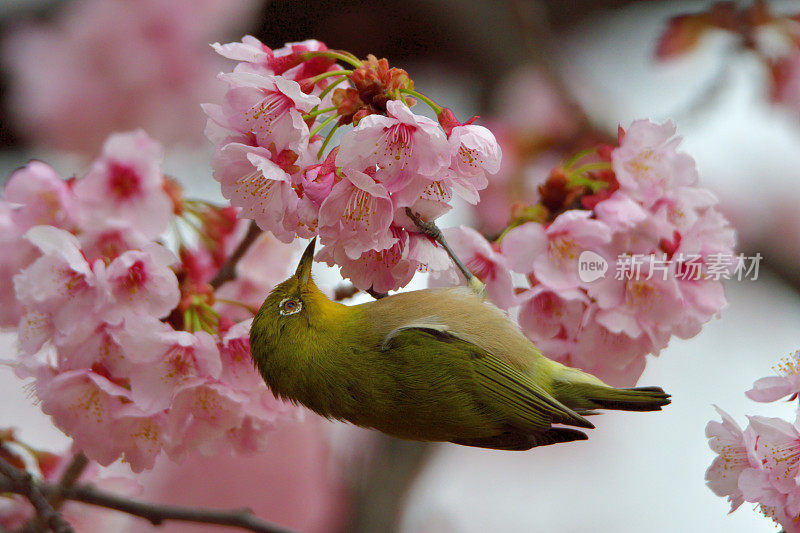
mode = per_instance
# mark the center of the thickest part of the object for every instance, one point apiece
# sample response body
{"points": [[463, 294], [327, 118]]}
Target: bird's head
{"points": [[289, 313]]}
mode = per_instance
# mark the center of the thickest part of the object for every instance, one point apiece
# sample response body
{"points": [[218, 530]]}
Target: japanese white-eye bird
{"points": [[429, 365]]}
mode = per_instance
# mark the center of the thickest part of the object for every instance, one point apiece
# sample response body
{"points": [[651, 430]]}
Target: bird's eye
{"points": [[289, 306]]}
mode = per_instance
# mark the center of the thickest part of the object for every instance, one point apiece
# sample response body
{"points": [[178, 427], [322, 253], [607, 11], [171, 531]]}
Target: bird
{"points": [[438, 364]]}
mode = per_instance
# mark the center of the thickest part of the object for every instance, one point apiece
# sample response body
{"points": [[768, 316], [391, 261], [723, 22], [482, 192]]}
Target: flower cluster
{"points": [[129, 348], [605, 205], [115, 65], [271, 158], [773, 38], [761, 464], [16, 511]]}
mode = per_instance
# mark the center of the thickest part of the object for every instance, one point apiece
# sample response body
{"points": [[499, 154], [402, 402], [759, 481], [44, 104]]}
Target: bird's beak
{"points": [[303, 273]]}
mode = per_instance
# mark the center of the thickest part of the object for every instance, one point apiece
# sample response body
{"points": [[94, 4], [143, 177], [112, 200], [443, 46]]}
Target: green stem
{"points": [[315, 112], [338, 56], [588, 167], [327, 140], [318, 77], [330, 87], [580, 155], [433, 105], [320, 127], [581, 181]]}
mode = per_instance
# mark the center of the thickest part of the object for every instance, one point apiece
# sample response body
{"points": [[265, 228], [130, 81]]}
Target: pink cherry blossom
{"points": [[269, 107], [474, 152], [238, 370], [287, 61], [647, 163], [318, 180], [200, 415], [84, 405], [552, 253], [404, 146], [190, 359], [42, 197], [546, 314], [483, 260], [391, 268], [786, 383], [126, 183], [110, 240], [648, 302], [775, 446], [726, 439], [15, 254], [381, 271], [614, 357], [114, 65], [252, 181], [61, 281], [356, 215], [141, 282]]}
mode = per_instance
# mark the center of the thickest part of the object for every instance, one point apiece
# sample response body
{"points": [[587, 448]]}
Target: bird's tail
{"points": [[588, 394]]}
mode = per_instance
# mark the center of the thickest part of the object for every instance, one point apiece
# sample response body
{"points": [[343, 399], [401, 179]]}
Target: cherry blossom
{"points": [[647, 163], [126, 183], [726, 439], [356, 215], [786, 383], [552, 253], [113, 65], [408, 149]]}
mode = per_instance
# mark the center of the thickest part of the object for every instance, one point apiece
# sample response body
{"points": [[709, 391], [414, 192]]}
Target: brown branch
{"points": [[228, 271], [17, 481], [69, 478], [430, 229]]}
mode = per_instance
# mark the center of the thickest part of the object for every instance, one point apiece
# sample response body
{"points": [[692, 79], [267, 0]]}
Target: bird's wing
{"points": [[501, 387]]}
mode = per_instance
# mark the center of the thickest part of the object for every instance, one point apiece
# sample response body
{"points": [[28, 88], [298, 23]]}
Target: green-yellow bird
{"points": [[428, 365]]}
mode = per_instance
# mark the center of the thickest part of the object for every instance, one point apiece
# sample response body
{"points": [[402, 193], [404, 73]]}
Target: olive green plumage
{"points": [[434, 365]]}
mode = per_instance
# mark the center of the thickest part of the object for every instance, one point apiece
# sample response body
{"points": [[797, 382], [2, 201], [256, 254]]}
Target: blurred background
{"points": [[545, 76]]}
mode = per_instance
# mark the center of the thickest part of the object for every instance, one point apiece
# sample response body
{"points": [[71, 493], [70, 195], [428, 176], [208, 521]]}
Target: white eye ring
{"points": [[289, 310]]}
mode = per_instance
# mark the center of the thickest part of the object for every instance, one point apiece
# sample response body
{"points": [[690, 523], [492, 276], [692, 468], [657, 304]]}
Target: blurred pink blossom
{"points": [[124, 347], [110, 65], [126, 183]]}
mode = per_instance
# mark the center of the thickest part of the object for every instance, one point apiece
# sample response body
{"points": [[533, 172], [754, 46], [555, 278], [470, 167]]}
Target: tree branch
{"points": [[228, 271], [18, 481], [69, 478], [21, 482], [432, 230]]}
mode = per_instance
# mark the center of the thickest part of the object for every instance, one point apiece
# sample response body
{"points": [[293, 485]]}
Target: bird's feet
{"points": [[432, 230]]}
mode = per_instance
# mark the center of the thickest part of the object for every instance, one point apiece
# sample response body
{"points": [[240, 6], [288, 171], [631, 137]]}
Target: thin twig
{"points": [[69, 478], [228, 271], [432, 230], [156, 514], [19, 481]]}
